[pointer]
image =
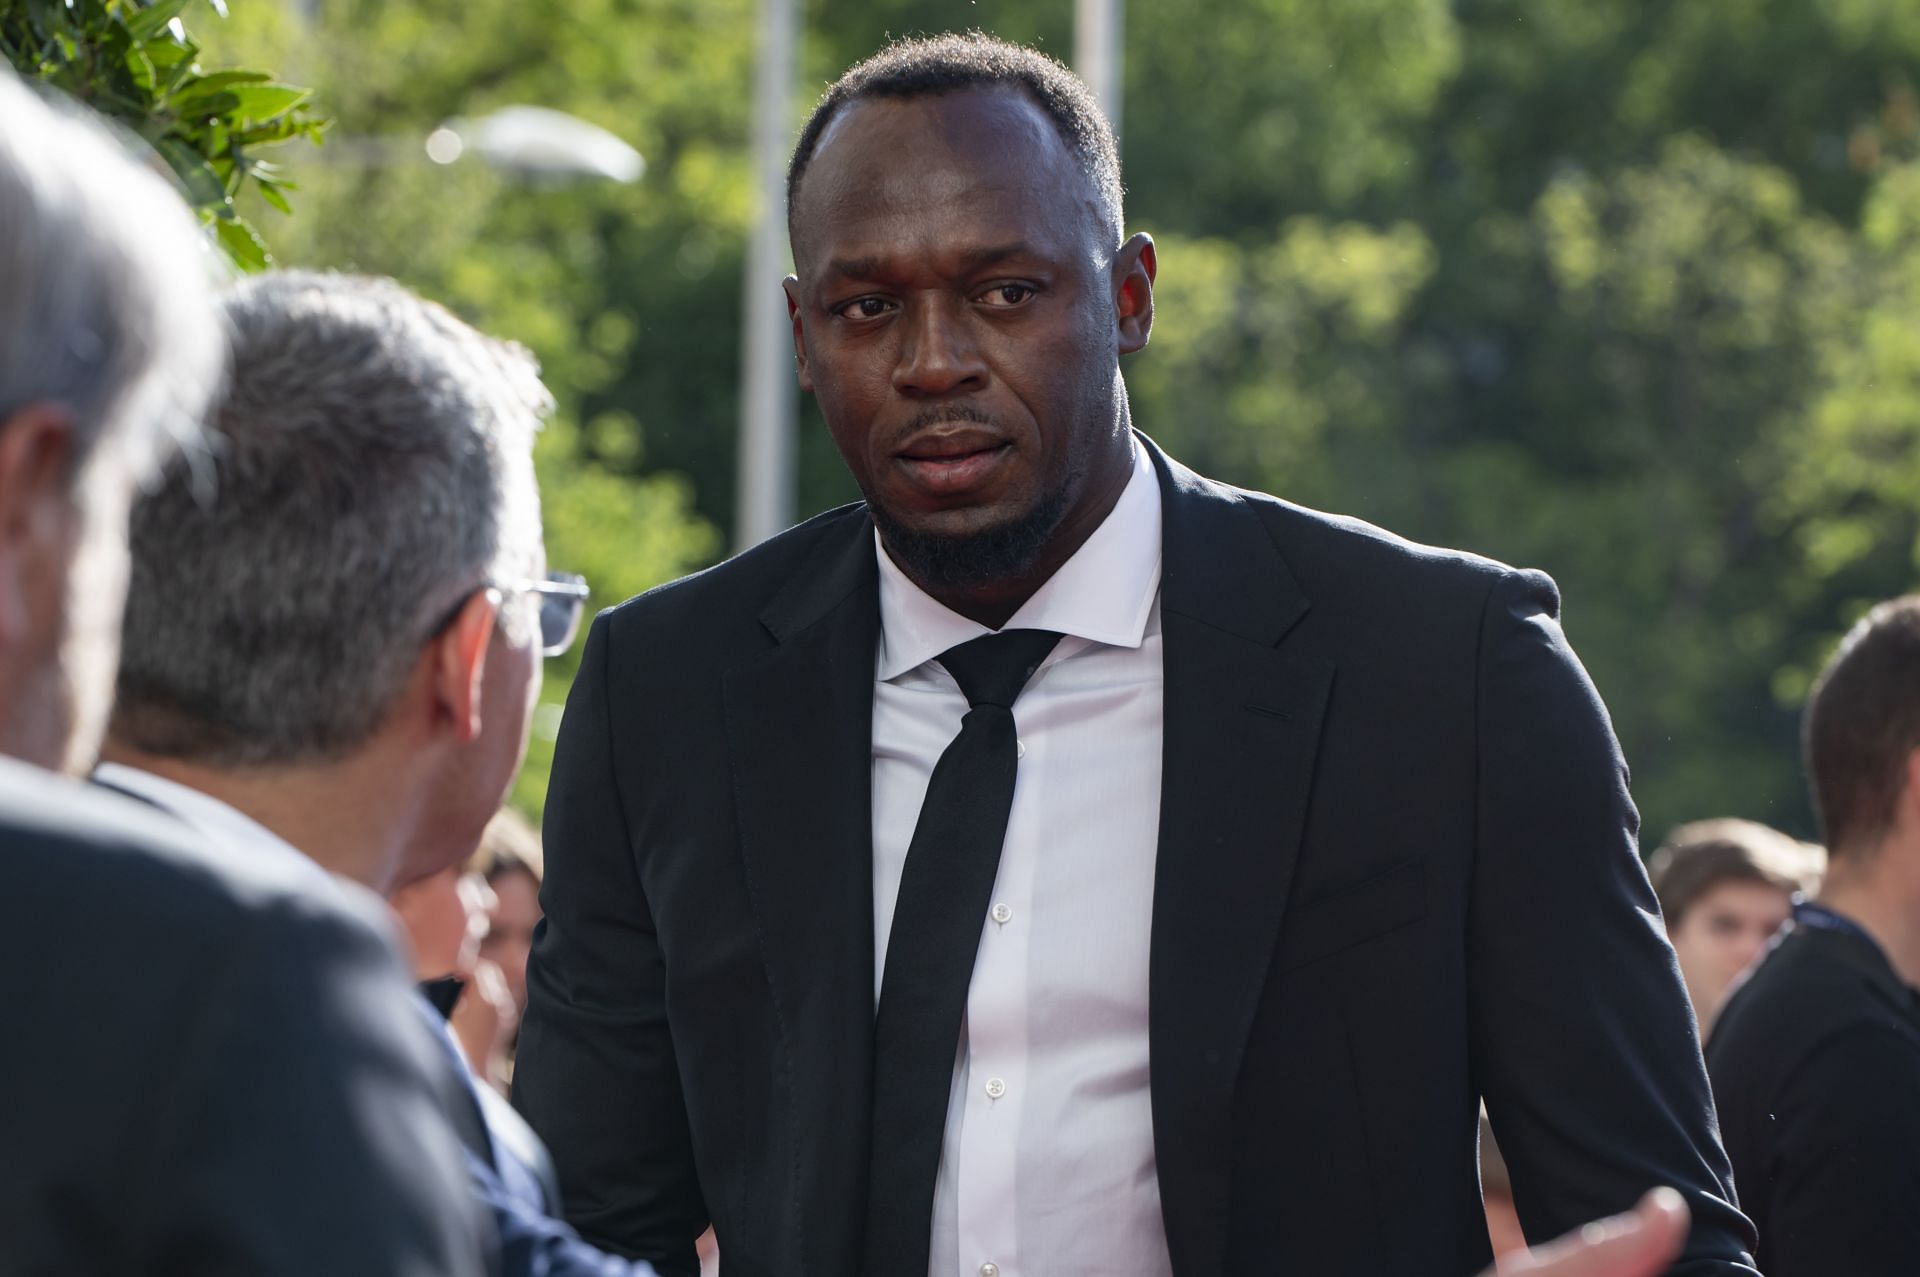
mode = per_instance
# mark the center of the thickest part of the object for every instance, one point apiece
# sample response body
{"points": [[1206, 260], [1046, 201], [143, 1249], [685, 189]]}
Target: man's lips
{"points": [[957, 440], [952, 464]]}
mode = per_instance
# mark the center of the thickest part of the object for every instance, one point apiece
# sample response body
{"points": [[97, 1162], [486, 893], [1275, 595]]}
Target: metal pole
{"points": [[769, 407], [1098, 53]]}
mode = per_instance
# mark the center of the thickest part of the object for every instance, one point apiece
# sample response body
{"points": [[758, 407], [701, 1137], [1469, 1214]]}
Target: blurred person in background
{"points": [[1725, 888], [334, 643], [444, 916], [447, 915], [210, 1060], [512, 865], [1816, 1057]]}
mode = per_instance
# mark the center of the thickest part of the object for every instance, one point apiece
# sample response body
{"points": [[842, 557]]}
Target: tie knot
{"points": [[993, 668]]}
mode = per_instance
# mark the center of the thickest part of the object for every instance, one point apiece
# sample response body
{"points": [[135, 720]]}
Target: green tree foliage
{"points": [[1622, 289], [133, 60], [609, 285]]}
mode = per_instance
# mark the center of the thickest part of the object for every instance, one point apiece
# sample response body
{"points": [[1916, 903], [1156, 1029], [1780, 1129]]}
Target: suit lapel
{"points": [[799, 730], [1242, 727]]}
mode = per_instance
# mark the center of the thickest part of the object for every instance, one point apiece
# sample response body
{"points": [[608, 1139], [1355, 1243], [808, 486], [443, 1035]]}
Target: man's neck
{"points": [[347, 816], [1880, 894]]}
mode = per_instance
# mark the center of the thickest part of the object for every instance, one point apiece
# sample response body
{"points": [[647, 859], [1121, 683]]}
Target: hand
{"points": [[483, 1021], [1637, 1244]]}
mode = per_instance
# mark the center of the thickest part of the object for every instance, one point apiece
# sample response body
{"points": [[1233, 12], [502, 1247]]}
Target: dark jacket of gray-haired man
{"points": [[211, 1067]]}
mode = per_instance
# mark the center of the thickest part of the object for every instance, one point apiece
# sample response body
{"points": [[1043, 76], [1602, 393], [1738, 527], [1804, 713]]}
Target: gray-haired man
{"points": [[334, 629], [209, 1065]]}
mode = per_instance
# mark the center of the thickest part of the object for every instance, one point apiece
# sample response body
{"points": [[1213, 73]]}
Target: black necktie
{"points": [[937, 919]]}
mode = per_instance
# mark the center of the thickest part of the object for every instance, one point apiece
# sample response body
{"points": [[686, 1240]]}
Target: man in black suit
{"points": [[208, 1061], [1816, 1058], [1104, 870]]}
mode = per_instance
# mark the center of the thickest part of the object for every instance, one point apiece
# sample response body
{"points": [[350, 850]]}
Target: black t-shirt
{"points": [[1815, 1063]]}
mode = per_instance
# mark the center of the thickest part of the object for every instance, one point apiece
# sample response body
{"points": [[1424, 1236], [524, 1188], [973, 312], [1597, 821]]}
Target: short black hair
{"points": [[930, 65], [1862, 724]]}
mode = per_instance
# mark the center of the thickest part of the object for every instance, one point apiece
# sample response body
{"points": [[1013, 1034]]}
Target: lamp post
{"points": [[1098, 52], [769, 397]]}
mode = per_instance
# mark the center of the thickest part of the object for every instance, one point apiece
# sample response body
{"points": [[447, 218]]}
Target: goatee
{"points": [[976, 559]]}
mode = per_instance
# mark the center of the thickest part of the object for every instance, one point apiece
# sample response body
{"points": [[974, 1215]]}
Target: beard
{"points": [[969, 560], [977, 558]]}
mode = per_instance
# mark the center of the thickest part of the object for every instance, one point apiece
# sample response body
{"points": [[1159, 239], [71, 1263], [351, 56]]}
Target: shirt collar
{"points": [[203, 813], [1856, 945], [1104, 594]]}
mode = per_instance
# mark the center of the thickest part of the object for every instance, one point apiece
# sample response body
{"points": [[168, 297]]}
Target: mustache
{"points": [[942, 415]]}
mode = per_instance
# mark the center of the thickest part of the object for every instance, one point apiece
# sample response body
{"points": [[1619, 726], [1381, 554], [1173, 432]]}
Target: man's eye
{"points": [[1002, 296], [864, 308]]}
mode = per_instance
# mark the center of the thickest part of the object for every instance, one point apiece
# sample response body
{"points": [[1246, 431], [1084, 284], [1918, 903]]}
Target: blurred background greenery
{"points": [[1627, 290]]}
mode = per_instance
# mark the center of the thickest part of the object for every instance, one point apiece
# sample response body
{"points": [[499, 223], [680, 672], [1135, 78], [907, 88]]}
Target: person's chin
{"points": [[950, 523]]}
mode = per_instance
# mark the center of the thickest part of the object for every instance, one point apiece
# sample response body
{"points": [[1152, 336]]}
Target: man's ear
{"points": [[791, 285], [459, 664], [36, 507], [1133, 272]]}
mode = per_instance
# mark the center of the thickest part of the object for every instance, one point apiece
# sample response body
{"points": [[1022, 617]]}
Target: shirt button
{"points": [[995, 1088], [1003, 912], [989, 1270], [1019, 749]]}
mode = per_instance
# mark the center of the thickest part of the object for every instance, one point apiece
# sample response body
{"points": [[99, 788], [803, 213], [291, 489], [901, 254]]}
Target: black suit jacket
{"points": [[1396, 870], [1816, 1065], [208, 1067]]}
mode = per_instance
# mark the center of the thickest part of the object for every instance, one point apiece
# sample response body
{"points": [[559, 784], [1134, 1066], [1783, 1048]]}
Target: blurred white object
{"points": [[538, 142], [1099, 53], [766, 490]]}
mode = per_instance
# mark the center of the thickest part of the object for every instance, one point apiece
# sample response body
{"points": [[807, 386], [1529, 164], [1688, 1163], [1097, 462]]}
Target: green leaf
{"points": [[173, 61], [205, 190], [204, 86], [243, 245], [48, 18], [270, 192], [140, 67], [207, 106], [150, 21], [269, 101]]}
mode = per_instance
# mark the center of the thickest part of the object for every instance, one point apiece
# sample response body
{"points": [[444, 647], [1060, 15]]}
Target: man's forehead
{"points": [[992, 155], [967, 121]]}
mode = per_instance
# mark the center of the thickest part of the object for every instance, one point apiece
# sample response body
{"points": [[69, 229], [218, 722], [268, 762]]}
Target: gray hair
{"points": [[106, 285], [372, 465]]}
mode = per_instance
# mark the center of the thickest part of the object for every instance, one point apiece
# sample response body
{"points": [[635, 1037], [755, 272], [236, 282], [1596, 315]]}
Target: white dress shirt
{"points": [[1047, 1169]]}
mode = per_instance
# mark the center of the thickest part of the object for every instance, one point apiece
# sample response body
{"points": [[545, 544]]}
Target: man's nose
{"points": [[938, 353]]}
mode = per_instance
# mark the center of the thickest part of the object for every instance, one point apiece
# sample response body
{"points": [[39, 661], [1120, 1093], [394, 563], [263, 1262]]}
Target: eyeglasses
{"points": [[563, 597]]}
